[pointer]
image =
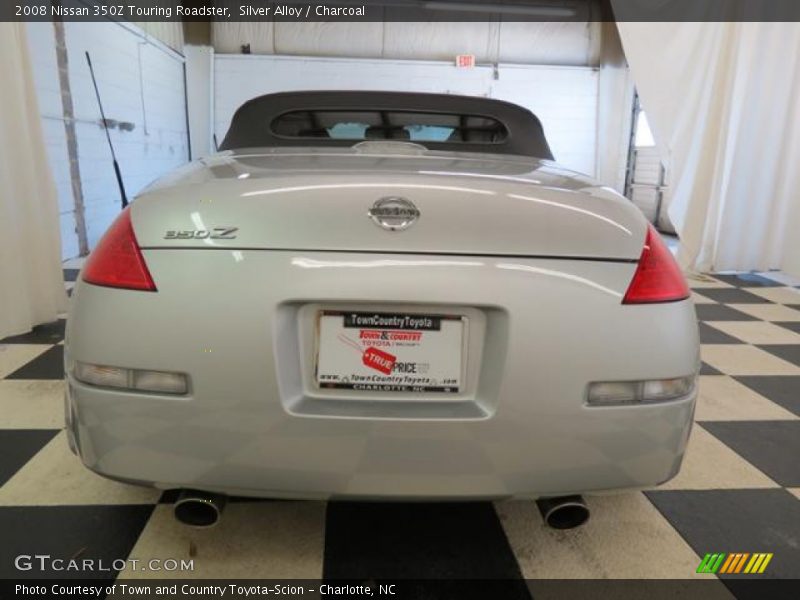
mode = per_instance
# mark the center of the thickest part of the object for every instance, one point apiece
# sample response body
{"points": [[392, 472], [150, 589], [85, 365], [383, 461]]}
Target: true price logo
{"points": [[378, 360]]}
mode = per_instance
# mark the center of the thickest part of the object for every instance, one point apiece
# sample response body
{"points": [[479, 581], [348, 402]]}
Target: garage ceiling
{"points": [[499, 39]]}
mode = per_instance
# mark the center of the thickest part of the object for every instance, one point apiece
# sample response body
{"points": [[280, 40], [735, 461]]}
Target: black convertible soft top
{"points": [[344, 118]]}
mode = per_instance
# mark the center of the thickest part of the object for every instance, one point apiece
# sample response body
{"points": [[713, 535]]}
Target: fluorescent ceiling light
{"points": [[541, 10]]}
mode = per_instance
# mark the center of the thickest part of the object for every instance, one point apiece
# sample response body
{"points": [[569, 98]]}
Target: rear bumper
{"points": [[599, 450], [254, 425]]}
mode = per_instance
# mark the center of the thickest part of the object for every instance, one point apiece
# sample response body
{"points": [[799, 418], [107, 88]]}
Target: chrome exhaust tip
{"points": [[199, 509], [563, 512]]}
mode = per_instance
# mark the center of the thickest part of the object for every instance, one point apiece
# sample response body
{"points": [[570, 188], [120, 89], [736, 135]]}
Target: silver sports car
{"points": [[385, 296]]}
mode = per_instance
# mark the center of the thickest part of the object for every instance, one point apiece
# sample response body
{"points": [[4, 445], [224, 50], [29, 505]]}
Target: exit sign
{"points": [[465, 61]]}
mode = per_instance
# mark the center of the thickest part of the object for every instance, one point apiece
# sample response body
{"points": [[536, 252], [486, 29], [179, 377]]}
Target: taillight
{"points": [[117, 261], [658, 277]]}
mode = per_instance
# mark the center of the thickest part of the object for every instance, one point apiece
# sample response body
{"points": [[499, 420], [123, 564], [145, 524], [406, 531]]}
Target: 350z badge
{"points": [[218, 233]]}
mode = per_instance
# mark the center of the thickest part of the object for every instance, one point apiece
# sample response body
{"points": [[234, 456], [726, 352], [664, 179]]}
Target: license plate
{"points": [[390, 352]]}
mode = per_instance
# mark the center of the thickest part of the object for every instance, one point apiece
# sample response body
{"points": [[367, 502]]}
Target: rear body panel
{"points": [[240, 323]]}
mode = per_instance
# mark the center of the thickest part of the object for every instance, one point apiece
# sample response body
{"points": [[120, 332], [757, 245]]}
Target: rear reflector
{"points": [[616, 393], [117, 261], [658, 277], [135, 380]]}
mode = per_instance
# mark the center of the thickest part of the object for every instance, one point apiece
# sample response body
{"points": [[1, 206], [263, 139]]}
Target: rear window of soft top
{"points": [[413, 126]]}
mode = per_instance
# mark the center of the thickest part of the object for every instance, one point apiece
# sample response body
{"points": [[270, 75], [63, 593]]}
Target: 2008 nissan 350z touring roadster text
{"points": [[380, 295]]}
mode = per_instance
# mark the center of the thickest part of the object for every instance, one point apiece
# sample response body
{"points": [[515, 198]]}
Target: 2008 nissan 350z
{"points": [[380, 296]]}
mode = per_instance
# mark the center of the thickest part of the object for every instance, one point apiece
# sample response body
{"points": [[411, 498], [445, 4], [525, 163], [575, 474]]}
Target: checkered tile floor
{"points": [[738, 491]]}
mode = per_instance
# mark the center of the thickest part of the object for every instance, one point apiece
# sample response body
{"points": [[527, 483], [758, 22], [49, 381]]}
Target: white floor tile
{"points": [[265, 540], [781, 295], [711, 465], [698, 299], [55, 476], [769, 312], [743, 359], [756, 332], [14, 356], [722, 398], [626, 537], [31, 404], [705, 281]]}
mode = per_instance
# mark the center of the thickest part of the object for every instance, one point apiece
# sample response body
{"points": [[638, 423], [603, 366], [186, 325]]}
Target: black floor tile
{"points": [[764, 520], [719, 312], [707, 369], [50, 333], [788, 352], [102, 533], [417, 541], [48, 365], [771, 446], [169, 496], [731, 296], [710, 335], [781, 389], [748, 280], [790, 325], [71, 274], [18, 446]]}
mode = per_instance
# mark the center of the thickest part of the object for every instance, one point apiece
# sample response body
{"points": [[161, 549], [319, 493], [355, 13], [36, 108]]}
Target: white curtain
{"points": [[723, 101], [31, 282]]}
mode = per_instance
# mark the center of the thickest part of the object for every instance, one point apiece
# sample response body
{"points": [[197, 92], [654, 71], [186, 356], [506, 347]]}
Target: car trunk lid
{"points": [[325, 201]]}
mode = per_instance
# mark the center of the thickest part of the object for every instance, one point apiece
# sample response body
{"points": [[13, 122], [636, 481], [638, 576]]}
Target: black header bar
{"points": [[400, 589], [401, 10]]}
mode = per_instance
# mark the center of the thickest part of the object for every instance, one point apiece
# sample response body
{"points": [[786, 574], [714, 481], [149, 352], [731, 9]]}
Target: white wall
{"points": [[615, 110], [199, 73], [542, 43], [564, 98], [141, 82]]}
